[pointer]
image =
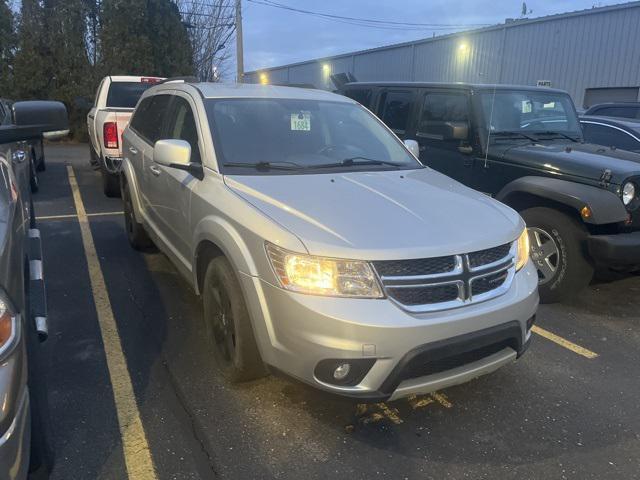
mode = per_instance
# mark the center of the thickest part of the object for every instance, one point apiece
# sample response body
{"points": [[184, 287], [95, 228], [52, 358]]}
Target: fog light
{"points": [[341, 371]]}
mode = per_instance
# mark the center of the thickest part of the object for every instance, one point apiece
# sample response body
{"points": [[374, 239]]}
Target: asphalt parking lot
{"points": [[570, 408]]}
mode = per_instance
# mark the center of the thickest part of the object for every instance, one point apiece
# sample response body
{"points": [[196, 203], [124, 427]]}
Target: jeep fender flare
{"points": [[127, 175], [606, 207]]}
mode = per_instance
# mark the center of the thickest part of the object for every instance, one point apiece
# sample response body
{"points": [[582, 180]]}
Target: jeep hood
{"points": [[380, 215], [584, 160]]}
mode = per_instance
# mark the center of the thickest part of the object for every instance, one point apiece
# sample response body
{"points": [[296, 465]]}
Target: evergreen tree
{"points": [[171, 49], [7, 48]]}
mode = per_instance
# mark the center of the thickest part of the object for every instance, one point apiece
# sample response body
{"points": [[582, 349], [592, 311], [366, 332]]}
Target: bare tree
{"points": [[211, 27]]}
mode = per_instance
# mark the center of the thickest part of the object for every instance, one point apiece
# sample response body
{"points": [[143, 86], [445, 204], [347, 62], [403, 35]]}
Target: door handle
{"points": [[18, 156], [155, 170], [133, 150]]}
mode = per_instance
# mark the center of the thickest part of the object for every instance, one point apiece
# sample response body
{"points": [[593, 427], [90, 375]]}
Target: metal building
{"points": [[593, 54]]}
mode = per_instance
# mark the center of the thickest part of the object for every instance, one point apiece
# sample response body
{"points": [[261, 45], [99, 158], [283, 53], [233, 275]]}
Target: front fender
{"points": [[226, 237], [128, 174], [606, 206]]}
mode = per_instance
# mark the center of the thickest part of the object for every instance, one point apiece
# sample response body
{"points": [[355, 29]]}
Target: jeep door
{"points": [[443, 132], [173, 201]]}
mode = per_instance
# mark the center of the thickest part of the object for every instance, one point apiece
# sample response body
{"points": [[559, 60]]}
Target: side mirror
{"points": [[172, 152], [413, 147], [36, 119], [176, 154], [457, 131]]}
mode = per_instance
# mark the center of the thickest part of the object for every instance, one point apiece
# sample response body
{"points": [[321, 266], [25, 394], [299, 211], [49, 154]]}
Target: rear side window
{"points": [[148, 118], [394, 110], [609, 137], [440, 112], [360, 95], [182, 126], [125, 94]]}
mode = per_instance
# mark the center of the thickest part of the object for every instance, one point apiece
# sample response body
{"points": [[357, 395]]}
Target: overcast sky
{"points": [[275, 37]]}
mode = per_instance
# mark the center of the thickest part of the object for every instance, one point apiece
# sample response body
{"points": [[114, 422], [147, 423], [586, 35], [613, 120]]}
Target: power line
{"points": [[367, 22]]}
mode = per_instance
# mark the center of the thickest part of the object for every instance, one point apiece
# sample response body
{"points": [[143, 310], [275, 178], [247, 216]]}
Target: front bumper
{"points": [[296, 332], [622, 249]]}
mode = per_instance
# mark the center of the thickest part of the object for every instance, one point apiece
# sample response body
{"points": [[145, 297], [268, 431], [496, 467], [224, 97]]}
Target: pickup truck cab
{"points": [[320, 245], [24, 426], [524, 146], [114, 102]]}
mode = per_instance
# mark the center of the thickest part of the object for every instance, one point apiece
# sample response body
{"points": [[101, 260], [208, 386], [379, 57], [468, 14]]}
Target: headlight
{"points": [[8, 326], [522, 255], [628, 193], [323, 276]]}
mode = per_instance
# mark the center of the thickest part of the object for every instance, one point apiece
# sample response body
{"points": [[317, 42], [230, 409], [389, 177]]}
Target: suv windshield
{"points": [[261, 136], [532, 114], [126, 94]]}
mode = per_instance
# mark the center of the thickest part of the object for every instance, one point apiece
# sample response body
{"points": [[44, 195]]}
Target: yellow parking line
{"points": [[442, 399], [137, 454], [74, 215], [389, 413], [563, 342]]}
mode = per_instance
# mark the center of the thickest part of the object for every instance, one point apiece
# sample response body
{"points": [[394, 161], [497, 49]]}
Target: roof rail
{"points": [[186, 79]]}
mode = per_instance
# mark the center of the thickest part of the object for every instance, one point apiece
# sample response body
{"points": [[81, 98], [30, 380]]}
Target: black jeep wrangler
{"points": [[524, 146]]}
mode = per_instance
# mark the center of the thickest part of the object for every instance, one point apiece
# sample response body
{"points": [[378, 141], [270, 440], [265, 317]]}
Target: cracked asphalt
{"points": [[554, 414]]}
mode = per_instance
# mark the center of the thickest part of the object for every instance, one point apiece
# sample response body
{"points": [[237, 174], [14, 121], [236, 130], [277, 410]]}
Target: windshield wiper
{"points": [[347, 162], [552, 132], [506, 133], [265, 165]]}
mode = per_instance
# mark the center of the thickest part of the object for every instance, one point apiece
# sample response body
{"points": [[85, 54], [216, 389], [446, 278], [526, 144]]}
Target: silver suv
{"points": [[320, 245]]}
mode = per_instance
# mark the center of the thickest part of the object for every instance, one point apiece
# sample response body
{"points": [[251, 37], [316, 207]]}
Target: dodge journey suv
{"points": [[320, 246]]}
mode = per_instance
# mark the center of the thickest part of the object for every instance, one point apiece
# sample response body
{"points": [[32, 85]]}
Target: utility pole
{"points": [[239, 52]]}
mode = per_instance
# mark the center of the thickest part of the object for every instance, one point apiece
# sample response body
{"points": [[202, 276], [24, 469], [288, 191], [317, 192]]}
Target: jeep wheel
{"points": [[136, 233], [228, 325], [558, 252]]}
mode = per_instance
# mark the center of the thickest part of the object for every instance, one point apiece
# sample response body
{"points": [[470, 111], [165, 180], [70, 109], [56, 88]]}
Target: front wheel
{"points": [[558, 244], [227, 324]]}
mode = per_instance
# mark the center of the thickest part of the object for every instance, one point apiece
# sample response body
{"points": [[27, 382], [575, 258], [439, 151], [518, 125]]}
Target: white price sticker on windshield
{"points": [[301, 121]]}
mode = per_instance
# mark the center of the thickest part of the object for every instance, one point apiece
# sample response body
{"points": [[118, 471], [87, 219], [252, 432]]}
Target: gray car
{"points": [[320, 246], [23, 316]]}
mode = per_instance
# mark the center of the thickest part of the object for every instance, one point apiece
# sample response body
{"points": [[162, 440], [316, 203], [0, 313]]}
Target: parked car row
{"points": [[24, 432]]}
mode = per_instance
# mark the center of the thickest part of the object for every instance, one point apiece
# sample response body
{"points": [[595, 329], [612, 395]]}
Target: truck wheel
{"points": [[110, 184], [228, 326], [136, 233], [34, 181], [558, 252]]}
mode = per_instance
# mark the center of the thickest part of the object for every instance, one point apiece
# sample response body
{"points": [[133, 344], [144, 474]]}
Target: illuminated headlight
{"points": [[323, 276], [522, 255], [628, 193], [8, 326]]}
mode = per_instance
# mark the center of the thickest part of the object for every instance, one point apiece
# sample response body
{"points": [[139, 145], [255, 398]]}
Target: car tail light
{"points": [[110, 131]]}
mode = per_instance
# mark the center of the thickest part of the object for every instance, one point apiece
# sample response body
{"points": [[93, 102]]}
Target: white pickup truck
{"points": [[114, 103]]}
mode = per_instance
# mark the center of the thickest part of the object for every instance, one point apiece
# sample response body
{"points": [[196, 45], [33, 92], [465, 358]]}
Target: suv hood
{"points": [[381, 215], [573, 159]]}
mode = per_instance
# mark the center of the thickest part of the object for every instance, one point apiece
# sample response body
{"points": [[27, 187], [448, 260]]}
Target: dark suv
{"points": [[524, 146]]}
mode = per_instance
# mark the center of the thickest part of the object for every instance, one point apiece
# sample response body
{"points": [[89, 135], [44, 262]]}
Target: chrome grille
{"points": [[440, 283]]}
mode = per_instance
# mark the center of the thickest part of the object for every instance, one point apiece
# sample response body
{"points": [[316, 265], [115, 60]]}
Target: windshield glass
{"points": [[256, 136], [529, 113], [125, 94]]}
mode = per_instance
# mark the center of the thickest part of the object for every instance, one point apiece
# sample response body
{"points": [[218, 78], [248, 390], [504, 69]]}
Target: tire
{"points": [[136, 234], [228, 326], [110, 184], [558, 250], [34, 181]]}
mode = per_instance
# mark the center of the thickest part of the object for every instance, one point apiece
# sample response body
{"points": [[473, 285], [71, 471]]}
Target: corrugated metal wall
{"points": [[575, 51]]}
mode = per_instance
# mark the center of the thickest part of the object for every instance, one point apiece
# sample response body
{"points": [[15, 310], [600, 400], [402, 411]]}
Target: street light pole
{"points": [[239, 52]]}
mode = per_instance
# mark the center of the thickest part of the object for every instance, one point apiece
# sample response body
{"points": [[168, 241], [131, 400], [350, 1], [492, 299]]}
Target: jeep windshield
{"points": [[289, 136], [529, 115]]}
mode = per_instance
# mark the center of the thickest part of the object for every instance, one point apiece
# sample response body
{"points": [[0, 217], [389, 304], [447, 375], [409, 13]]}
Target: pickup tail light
{"points": [[110, 130], [150, 79]]}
